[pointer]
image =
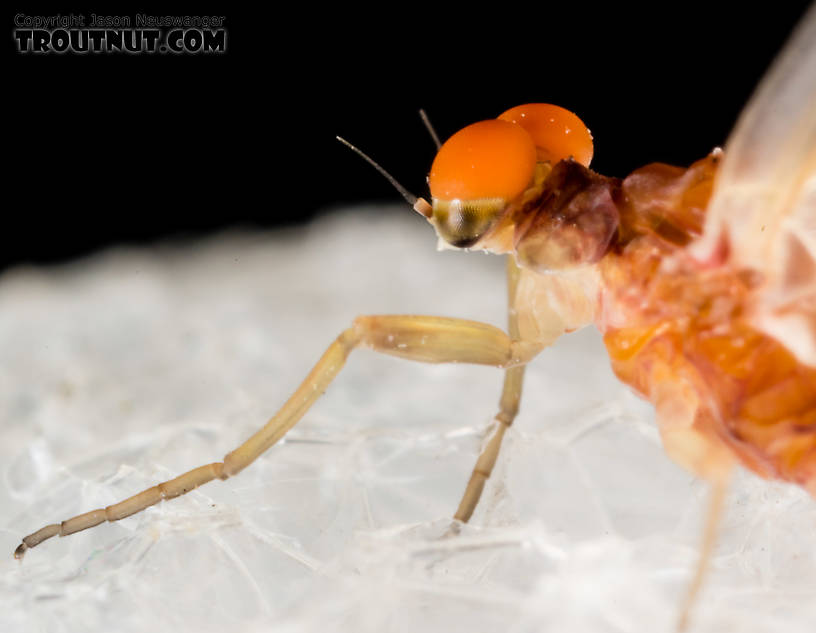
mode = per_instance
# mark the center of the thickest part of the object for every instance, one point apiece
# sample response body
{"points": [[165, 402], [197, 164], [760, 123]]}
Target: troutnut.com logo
{"points": [[142, 33]]}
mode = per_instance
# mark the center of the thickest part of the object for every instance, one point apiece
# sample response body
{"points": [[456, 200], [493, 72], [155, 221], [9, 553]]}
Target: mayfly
{"points": [[702, 281]]}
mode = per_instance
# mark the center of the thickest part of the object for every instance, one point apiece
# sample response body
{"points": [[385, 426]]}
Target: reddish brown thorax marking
{"points": [[669, 202], [571, 222]]}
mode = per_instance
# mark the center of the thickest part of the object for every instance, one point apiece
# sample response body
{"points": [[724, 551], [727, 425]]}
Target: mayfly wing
{"points": [[762, 214]]}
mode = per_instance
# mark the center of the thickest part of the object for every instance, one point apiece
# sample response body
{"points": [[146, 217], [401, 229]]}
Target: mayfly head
{"points": [[488, 167], [485, 168]]}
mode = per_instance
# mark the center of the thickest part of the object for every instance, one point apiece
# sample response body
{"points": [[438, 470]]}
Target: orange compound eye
{"points": [[489, 159], [556, 132]]}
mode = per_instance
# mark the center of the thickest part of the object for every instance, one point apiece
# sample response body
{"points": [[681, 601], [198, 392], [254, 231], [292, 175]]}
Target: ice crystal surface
{"points": [[133, 365]]}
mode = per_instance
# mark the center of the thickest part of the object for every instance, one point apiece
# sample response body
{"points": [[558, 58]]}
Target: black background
{"points": [[106, 149]]}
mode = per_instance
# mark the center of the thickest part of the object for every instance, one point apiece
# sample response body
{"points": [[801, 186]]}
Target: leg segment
{"points": [[420, 338], [508, 408], [719, 487]]}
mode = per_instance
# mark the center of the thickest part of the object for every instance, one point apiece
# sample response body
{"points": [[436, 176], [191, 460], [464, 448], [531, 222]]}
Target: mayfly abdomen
{"points": [[753, 396]]}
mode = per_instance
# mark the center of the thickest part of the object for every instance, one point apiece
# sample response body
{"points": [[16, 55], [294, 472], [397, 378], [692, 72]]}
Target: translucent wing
{"points": [[762, 214]]}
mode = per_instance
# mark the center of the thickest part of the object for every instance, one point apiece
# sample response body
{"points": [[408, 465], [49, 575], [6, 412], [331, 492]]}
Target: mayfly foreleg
{"points": [[508, 408], [418, 338]]}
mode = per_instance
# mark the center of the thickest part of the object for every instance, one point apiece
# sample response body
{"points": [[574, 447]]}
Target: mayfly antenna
{"points": [[419, 205], [430, 128]]}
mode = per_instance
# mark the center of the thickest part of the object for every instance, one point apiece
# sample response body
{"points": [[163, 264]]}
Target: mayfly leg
{"points": [[716, 503], [508, 408], [418, 338]]}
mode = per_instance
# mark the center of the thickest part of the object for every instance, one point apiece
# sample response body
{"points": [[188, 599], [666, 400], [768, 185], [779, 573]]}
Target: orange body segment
{"points": [[556, 132], [687, 326]]}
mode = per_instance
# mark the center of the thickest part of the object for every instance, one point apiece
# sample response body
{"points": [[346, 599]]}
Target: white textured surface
{"points": [[129, 367]]}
